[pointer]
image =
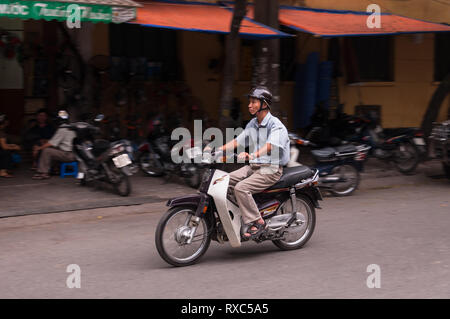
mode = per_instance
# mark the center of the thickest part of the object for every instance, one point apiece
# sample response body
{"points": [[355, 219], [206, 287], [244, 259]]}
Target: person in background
{"points": [[5, 149], [58, 148], [39, 134]]}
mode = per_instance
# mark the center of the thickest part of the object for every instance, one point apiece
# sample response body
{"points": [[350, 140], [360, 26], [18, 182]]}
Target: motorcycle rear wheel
{"points": [[351, 176], [150, 165], [121, 182], [305, 207], [171, 244], [123, 187], [407, 158]]}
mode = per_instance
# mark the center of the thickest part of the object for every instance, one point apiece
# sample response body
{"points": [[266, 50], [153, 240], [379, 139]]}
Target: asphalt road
{"points": [[402, 226]]}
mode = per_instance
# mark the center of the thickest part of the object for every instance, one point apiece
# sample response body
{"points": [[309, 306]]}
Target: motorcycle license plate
{"points": [[121, 160], [419, 141]]}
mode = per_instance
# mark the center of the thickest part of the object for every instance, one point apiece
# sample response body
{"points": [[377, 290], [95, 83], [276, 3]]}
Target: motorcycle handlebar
{"points": [[217, 157]]}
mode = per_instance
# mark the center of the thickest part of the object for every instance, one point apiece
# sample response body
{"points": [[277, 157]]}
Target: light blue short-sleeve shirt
{"points": [[271, 130]]}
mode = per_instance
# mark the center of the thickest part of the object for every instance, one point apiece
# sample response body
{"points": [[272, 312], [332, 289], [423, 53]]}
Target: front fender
{"points": [[193, 199]]}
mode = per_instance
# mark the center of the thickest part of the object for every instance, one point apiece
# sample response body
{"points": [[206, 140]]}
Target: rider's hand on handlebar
{"points": [[207, 149], [245, 156]]}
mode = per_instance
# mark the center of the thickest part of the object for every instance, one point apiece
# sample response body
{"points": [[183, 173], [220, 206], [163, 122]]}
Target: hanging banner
{"points": [[53, 10]]}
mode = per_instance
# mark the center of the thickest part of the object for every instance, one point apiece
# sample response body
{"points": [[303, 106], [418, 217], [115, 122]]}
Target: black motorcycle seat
{"points": [[349, 148], [329, 152], [325, 152], [100, 146], [292, 176]]}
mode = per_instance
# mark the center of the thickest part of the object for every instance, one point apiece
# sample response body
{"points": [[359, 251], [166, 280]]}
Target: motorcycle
{"points": [[339, 167], [403, 146], [101, 160], [185, 231], [154, 157]]}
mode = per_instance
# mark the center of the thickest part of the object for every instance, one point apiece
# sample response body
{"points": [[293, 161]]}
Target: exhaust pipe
{"points": [[278, 222]]}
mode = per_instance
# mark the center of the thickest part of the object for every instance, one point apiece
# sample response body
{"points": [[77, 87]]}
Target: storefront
{"points": [[36, 42]]}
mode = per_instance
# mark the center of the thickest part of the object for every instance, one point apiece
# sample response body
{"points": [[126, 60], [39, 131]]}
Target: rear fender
{"points": [[313, 193]]}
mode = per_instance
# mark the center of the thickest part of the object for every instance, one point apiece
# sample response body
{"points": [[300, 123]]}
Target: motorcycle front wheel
{"points": [[406, 158], [172, 236], [301, 230]]}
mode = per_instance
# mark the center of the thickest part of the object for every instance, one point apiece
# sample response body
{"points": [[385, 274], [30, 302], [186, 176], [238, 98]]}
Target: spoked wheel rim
{"points": [[173, 237], [296, 234], [348, 176]]}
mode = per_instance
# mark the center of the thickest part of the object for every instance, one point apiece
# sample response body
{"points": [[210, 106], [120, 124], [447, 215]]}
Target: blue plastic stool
{"points": [[63, 167]]}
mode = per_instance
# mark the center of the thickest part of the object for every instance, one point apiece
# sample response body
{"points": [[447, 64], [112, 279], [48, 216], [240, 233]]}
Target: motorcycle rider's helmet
{"points": [[263, 94], [62, 117]]}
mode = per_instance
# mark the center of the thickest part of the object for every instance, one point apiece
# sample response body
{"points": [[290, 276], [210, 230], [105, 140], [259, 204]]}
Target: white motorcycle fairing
{"points": [[229, 214]]}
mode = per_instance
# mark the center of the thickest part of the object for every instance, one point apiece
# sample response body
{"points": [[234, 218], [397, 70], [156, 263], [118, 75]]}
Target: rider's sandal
{"points": [[40, 176], [255, 232]]}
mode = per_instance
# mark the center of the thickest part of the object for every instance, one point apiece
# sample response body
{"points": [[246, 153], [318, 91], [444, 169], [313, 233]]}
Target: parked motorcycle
{"points": [[155, 156], [440, 144], [339, 167], [185, 231], [101, 160], [404, 146]]}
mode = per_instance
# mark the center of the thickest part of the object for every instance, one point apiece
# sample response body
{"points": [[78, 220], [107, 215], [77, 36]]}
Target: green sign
{"points": [[60, 11]]}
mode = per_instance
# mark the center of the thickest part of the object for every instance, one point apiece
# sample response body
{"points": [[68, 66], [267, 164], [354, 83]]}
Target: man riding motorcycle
{"points": [[268, 142]]}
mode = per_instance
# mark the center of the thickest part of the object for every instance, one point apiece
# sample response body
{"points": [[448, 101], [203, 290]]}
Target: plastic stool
{"points": [[63, 167]]}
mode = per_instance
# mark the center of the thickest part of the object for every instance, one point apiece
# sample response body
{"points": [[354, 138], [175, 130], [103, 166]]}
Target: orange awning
{"points": [[203, 17], [333, 23], [338, 23]]}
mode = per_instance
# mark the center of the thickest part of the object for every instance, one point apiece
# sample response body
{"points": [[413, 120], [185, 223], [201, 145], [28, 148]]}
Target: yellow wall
{"points": [[197, 49], [405, 100]]}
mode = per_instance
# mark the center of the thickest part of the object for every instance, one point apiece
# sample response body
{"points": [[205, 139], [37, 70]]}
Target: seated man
{"points": [[58, 148], [267, 135], [5, 149], [39, 134]]}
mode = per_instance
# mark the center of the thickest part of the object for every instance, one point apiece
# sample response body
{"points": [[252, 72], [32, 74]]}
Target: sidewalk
{"points": [[23, 196]]}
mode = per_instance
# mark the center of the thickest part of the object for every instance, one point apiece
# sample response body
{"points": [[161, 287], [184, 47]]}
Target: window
{"points": [[369, 59], [441, 56]]}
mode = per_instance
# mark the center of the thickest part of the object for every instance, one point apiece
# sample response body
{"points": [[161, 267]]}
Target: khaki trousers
{"points": [[50, 154], [247, 181]]}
